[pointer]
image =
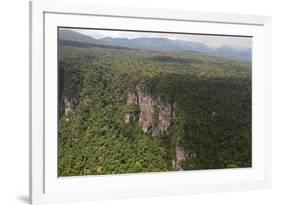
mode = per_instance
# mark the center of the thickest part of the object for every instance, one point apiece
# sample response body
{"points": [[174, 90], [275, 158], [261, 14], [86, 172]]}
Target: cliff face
{"points": [[155, 115]]}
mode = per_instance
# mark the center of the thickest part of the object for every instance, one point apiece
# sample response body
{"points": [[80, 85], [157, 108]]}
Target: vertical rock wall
{"points": [[155, 115]]}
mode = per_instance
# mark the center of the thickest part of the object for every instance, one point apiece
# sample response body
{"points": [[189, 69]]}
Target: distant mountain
{"points": [[75, 36], [242, 54], [89, 45], [157, 44]]}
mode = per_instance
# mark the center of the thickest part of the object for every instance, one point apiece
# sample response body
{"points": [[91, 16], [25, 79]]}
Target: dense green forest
{"points": [[130, 110]]}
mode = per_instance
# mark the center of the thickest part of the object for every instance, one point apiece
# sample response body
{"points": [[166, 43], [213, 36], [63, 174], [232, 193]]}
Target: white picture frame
{"points": [[46, 187]]}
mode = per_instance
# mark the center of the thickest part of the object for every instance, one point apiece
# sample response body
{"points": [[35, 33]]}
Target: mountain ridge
{"points": [[159, 44]]}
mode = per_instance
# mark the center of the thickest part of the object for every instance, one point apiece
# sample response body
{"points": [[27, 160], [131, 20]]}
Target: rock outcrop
{"points": [[69, 105], [155, 115], [127, 118], [181, 155]]}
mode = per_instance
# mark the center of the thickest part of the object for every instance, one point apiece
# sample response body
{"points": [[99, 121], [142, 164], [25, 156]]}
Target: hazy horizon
{"points": [[212, 41]]}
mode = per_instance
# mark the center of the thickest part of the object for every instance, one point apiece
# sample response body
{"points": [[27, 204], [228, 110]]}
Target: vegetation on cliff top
{"points": [[212, 98]]}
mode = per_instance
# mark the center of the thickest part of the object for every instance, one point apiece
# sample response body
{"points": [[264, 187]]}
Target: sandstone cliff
{"points": [[155, 115]]}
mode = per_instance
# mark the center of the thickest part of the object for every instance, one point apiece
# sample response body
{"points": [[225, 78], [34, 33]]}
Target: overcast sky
{"points": [[209, 40]]}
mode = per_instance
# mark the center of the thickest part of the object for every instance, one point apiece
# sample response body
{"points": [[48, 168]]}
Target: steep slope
{"points": [[155, 115]]}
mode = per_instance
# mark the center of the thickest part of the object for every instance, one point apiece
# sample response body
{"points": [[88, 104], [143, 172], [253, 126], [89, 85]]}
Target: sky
{"points": [[209, 40]]}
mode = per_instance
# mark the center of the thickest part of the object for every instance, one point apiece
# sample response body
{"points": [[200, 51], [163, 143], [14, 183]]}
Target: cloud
{"points": [[213, 41]]}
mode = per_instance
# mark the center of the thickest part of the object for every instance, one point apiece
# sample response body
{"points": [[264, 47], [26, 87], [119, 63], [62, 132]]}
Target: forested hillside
{"points": [[131, 110]]}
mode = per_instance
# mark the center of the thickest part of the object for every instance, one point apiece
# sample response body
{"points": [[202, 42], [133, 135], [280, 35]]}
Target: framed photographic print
{"points": [[129, 102]]}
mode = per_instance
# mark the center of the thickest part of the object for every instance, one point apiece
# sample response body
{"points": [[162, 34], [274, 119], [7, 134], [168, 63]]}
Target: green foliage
{"points": [[213, 111]]}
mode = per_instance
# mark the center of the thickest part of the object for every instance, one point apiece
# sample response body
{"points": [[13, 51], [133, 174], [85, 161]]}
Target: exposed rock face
{"points": [[127, 118], [181, 155], [69, 105], [155, 115]]}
